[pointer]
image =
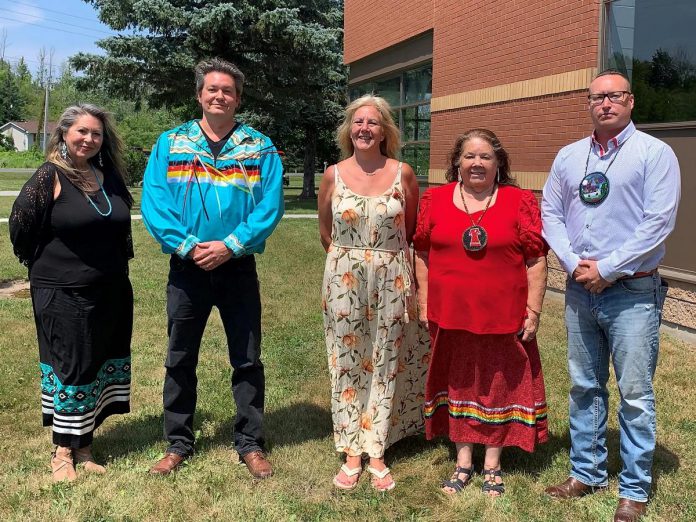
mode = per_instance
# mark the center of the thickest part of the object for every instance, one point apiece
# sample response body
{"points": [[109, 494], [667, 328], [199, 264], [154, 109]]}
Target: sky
{"points": [[67, 27]]}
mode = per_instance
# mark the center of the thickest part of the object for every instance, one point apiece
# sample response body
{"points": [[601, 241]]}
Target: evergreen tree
{"points": [[11, 102], [290, 51]]}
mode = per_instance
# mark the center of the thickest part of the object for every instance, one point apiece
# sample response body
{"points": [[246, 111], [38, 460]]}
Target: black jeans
{"points": [[191, 293]]}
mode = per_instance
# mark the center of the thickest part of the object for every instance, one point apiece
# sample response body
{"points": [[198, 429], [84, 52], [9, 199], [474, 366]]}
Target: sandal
{"points": [[455, 482], [490, 485], [349, 473], [62, 465], [380, 475]]}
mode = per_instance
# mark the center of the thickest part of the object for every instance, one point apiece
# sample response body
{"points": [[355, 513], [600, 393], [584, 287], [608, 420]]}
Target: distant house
{"points": [[23, 133]]}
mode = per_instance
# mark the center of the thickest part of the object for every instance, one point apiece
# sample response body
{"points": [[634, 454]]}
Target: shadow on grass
{"points": [[132, 436], [665, 462], [515, 460], [289, 425]]}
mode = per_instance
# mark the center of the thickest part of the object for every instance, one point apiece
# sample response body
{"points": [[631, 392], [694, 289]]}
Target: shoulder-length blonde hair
{"points": [[111, 149], [390, 147]]}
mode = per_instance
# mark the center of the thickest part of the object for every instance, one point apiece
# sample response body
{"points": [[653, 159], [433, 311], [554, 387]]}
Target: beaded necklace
{"points": [[101, 187]]}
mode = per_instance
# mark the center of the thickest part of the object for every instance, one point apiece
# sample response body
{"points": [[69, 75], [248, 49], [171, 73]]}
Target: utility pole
{"points": [[48, 83]]}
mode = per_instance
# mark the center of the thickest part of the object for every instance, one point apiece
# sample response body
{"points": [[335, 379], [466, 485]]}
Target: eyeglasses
{"points": [[614, 97]]}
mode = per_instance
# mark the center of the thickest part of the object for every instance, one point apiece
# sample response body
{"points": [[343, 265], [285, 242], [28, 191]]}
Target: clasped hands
{"points": [[209, 255], [587, 274]]}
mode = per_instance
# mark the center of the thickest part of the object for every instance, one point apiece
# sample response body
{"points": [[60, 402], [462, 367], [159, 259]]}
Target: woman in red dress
{"points": [[481, 273]]}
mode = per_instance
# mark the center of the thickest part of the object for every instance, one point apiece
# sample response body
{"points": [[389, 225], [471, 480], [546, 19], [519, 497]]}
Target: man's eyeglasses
{"points": [[614, 97]]}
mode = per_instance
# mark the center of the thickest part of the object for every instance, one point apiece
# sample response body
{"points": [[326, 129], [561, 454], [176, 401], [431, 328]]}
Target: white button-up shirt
{"points": [[626, 232]]}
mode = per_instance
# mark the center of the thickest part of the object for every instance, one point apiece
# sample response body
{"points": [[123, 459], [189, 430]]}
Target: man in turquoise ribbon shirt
{"points": [[212, 195]]}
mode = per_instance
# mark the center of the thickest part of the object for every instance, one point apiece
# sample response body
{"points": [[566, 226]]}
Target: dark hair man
{"points": [[212, 195], [608, 206]]}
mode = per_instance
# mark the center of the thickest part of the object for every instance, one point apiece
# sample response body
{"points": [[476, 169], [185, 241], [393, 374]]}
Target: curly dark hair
{"points": [[501, 155]]}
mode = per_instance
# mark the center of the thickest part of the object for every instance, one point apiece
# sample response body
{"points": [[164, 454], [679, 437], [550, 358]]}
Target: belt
{"points": [[638, 275]]}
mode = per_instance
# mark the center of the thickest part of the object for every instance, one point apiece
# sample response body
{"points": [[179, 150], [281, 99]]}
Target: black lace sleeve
{"points": [[30, 213]]}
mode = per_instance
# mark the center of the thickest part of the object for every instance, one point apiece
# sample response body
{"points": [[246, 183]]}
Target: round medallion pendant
{"points": [[594, 188], [474, 238]]}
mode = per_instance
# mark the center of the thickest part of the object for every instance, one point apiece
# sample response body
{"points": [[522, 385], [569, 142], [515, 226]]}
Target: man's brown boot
{"points": [[629, 510], [572, 488], [167, 464], [258, 466]]}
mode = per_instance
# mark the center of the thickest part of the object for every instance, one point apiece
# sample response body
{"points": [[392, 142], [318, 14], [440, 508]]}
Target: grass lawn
{"points": [[293, 203], [213, 487], [13, 180]]}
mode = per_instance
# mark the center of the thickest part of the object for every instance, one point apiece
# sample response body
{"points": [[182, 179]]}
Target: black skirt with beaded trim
{"points": [[84, 339]]}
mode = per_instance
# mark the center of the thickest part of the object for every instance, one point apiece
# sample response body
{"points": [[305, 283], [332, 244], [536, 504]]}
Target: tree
{"points": [[291, 52], [663, 71], [11, 103], [6, 143]]}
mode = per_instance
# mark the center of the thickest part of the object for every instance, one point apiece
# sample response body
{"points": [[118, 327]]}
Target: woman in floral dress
{"points": [[377, 350]]}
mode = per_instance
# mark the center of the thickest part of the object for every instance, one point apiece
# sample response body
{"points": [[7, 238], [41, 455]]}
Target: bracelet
{"points": [[533, 310]]}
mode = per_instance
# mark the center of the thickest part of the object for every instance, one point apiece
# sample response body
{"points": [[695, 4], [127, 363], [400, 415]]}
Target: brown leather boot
{"points": [[62, 465], [258, 466], [572, 488], [84, 456], [629, 510], [170, 462]]}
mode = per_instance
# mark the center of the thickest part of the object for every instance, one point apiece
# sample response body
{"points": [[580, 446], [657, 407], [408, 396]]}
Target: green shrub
{"points": [[29, 159], [135, 161], [6, 143]]}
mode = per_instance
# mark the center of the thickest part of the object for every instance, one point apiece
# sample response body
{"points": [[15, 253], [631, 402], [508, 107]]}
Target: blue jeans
{"points": [[622, 322]]}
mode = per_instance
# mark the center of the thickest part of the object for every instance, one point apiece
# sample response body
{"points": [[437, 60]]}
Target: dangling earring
{"points": [[497, 176], [101, 161], [63, 150], [459, 174]]}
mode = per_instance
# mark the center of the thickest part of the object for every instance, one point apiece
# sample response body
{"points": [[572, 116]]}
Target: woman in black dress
{"points": [[70, 225]]}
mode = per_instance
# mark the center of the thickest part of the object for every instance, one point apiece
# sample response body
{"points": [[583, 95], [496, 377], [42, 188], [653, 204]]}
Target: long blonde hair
{"points": [[111, 149], [390, 147]]}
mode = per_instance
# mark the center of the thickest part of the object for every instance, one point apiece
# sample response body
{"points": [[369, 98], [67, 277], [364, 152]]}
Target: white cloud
{"points": [[23, 13]]}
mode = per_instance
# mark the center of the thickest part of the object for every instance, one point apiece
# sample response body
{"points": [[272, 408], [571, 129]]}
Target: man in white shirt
{"points": [[608, 206]]}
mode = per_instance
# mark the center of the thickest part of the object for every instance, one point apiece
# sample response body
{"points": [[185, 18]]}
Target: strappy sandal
{"points": [[380, 475], [84, 455], [62, 465], [490, 485], [455, 482], [349, 473]]}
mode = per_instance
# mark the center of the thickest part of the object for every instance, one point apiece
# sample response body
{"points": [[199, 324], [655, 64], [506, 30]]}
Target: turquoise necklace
{"points": [[101, 187]]}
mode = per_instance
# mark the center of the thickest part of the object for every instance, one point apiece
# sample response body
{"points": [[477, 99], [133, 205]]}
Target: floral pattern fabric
{"points": [[377, 350]]}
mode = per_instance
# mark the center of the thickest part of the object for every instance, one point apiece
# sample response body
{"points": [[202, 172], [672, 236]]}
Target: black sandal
{"points": [[455, 482], [490, 485]]}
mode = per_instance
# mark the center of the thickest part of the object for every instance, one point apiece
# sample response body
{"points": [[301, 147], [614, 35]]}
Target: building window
{"points": [[654, 43], [409, 94]]}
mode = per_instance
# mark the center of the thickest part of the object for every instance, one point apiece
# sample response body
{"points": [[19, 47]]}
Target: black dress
{"points": [[82, 300]]}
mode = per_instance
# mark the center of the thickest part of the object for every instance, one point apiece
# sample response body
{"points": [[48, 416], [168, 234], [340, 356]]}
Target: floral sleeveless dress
{"points": [[377, 350]]}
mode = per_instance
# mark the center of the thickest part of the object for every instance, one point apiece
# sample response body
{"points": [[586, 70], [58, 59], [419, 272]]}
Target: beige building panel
{"points": [[554, 84]]}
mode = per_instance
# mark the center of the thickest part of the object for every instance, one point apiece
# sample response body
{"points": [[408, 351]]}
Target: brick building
{"points": [[521, 69]]}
